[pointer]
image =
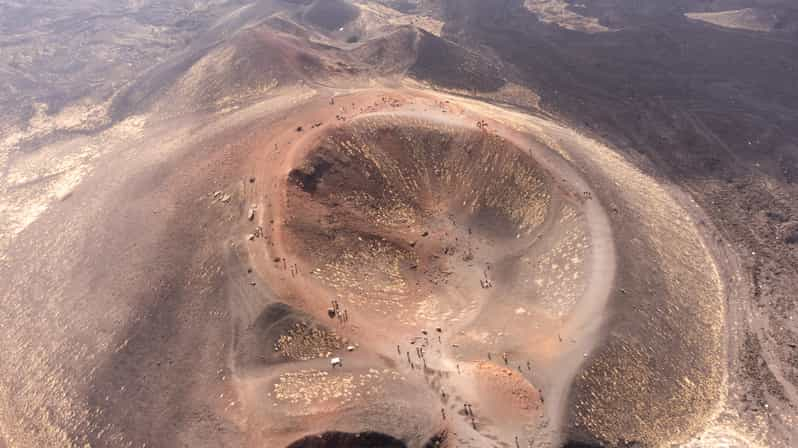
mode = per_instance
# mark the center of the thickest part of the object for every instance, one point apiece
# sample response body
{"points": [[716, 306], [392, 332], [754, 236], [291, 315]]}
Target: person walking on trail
{"points": [[443, 413]]}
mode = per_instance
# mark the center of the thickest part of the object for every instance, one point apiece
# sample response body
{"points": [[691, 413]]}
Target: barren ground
{"points": [[505, 219]]}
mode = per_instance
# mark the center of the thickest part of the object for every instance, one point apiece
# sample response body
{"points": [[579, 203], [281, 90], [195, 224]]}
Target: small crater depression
{"points": [[334, 439]]}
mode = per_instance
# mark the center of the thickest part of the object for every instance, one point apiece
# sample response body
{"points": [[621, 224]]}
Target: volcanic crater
{"points": [[426, 221], [407, 232], [457, 261], [396, 223]]}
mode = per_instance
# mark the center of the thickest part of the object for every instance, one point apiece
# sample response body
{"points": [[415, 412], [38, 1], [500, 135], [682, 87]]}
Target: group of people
{"points": [[335, 311]]}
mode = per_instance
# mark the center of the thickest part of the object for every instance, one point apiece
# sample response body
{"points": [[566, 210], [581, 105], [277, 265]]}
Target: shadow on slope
{"points": [[334, 439]]}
